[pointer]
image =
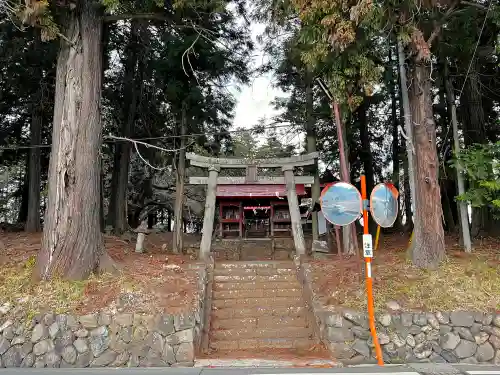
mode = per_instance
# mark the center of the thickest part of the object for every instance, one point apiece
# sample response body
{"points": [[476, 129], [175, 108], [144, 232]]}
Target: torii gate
{"points": [[214, 166]]}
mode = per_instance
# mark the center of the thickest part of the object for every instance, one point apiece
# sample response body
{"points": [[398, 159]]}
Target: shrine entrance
{"points": [[257, 221], [262, 218], [253, 207]]}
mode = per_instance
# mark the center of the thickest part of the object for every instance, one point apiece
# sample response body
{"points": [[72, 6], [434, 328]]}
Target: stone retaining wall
{"points": [[103, 339], [457, 336]]}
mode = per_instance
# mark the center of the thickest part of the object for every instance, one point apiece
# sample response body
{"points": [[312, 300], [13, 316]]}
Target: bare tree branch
{"points": [[439, 25], [170, 188], [131, 16], [476, 5]]}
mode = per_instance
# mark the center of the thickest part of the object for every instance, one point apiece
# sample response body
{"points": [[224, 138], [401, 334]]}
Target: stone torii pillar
{"points": [[286, 164], [208, 219], [293, 207]]}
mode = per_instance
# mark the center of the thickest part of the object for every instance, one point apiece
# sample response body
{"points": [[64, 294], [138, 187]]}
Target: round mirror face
{"points": [[384, 204], [341, 203]]}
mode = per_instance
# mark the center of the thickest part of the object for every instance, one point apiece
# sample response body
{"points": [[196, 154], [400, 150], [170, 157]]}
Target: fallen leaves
{"points": [[463, 281], [152, 282]]}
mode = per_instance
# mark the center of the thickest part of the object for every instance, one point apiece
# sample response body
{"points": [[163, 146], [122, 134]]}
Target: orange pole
{"points": [[368, 254]]}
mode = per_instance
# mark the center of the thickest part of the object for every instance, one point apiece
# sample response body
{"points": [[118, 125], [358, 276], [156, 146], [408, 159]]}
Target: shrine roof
{"points": [[255, 191]]}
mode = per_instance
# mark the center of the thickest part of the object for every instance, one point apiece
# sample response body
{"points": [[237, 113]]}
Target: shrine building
{"points": [[254, 206]]}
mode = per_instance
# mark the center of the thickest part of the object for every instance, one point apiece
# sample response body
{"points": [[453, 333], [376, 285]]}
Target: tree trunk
{"points": [[110, 218], [449, 220], [23, 192], [169, 221], [132, 87], [34, 169], [464, 216], [105, 65], [102, 222], [395, 136], [348, 232], [151, 220], [366, 153], [472, 107], [410, 202], [179, 187], [407, 196], [311, 147], [474, 132], [428, 248], [72, 245]]}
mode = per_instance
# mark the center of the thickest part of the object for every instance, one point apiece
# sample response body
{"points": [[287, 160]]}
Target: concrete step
{"points": [[260, 311], [246, 344], [260, 322], [262, 333], [254, 278], [254, 271], [256, 285], [254, 264], [257, 302], [256, 293], [257, 256]]}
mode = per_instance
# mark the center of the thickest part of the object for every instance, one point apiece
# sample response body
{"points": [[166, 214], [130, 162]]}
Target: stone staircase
{"points": [[258, 306]]}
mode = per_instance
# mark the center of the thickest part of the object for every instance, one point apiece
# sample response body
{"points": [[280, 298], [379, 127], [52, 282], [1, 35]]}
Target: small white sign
{"points": [[367, 246], [321, 223], [306, 201]]}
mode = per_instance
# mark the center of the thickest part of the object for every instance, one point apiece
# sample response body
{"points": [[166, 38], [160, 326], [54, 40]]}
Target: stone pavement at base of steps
{"points": [[251, 367]]}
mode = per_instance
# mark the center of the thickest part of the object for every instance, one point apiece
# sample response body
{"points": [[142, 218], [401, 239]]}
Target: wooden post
{"points": [[271, 220], [242, 217], [208, 220], [221, 216], [293, 206]]}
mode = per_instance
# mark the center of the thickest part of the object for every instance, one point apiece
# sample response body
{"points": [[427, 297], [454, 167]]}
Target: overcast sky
{"points": [[254, 100]]}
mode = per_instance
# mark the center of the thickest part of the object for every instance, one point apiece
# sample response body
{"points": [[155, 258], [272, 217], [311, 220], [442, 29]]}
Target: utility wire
{"points": [[135, 142], [114, 139]]}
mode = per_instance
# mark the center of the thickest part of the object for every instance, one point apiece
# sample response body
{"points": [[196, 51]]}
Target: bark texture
{"points": [[410, 200], [72, 245], [350, 244], [311, 147], [407, 196], [474, 132], [428, 245], [366, 153], [23, 191], [396, 149], [34, 168], [179, 187], [133, 83]]}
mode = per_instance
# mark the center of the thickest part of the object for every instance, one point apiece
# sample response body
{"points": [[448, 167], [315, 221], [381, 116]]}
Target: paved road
{"points": [[413, 369]]}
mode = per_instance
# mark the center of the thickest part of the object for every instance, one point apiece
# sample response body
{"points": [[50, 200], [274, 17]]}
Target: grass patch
{"points": [[57, 295], [17, 286], [457, 284], [147, 283], [470, 282]]}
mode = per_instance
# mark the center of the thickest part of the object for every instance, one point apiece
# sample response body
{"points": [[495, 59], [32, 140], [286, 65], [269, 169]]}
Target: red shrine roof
{"points": [[255, 191]]}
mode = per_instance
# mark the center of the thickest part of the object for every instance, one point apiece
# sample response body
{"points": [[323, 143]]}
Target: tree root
{"points": [[108, 265]]}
